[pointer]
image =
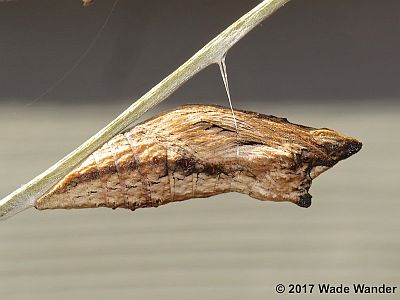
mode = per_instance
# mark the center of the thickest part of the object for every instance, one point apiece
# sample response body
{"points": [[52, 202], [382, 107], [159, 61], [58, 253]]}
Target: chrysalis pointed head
{"points": [[336, 147]]}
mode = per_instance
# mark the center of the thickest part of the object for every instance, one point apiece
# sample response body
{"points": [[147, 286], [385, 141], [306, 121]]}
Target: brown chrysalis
{"points": [[194, 151]]}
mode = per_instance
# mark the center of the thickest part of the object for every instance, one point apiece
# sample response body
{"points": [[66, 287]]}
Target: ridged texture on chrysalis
{"points": [[191, 152]]}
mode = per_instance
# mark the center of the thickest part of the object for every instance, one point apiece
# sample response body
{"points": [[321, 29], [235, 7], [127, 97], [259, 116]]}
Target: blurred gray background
{"points": [[320, 63]]}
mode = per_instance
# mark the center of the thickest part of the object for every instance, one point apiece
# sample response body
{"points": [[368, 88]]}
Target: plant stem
{"points": [[213, 52]]}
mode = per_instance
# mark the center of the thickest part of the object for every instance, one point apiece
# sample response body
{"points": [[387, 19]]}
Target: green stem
{"points": [[213, 52]]}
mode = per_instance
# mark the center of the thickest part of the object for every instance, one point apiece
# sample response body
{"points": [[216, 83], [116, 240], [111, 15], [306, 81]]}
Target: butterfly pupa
{"points": [[191, 152]]}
